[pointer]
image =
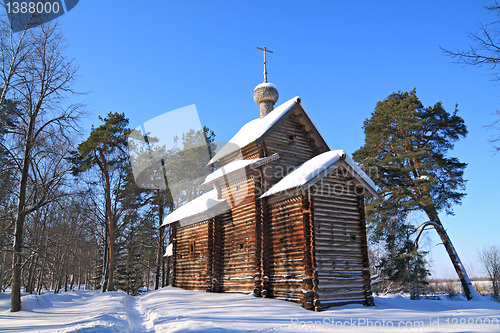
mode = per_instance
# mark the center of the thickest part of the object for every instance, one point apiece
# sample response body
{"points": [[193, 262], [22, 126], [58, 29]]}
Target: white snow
{"points": [[315, 167], [206, 203], [253, 130], [265, 84], [169, 250], [88, 311], [228, 168], [177, 310], [239, 166]]}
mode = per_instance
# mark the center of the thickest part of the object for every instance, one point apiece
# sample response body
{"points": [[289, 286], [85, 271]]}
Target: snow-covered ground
{"points": [[177, 310]]}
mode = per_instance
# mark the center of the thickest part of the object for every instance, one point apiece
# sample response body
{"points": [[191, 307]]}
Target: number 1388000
{"points": [[39, 7]]}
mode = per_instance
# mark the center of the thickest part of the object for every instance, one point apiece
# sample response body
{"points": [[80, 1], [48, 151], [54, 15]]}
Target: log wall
{"points": [[191, 256], [285, 250], [293, 143], [340, 241], [239, 259]]}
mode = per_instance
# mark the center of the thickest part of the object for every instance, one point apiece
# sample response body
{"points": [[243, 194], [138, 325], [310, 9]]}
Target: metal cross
{"points": [[265, 62]]}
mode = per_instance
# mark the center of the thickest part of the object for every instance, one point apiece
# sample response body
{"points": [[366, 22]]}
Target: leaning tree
{"points": [[407, 144]]}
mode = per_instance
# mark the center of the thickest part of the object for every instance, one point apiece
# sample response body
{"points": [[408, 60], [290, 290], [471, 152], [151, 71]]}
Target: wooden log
{"points": [[364, 250]]}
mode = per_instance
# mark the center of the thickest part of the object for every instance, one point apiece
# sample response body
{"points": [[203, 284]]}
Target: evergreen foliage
{"points": [[110, 138], [404, 264], [406, 154], [129, 275], [407, 145], [106, 148], [186, 166]]}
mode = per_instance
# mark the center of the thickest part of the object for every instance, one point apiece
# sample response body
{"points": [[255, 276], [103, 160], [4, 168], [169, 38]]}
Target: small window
{"points": [[241, 245], [291, 139], [192, 247]]}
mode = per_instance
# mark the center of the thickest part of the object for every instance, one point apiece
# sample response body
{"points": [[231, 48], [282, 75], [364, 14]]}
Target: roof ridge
{"points": [[254, 129]]}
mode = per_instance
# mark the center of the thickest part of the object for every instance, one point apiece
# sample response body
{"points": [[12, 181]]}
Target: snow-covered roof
{"points": [[238, 165], [320, 166], [203, 207], [228, 168], [258, 128]]}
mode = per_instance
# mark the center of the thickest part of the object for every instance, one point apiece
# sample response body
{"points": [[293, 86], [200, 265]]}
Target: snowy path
{"points": [[136, 320], [177, 310]]}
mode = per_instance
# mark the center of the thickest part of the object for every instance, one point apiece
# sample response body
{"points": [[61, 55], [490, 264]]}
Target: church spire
{"points": [[265, 62], [265, 94]]}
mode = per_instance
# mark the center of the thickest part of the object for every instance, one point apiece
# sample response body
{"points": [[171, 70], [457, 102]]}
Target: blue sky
{"points": [[145, 58]]}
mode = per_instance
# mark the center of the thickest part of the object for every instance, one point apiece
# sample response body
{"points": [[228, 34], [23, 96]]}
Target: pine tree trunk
{"points": [[104, 270], [110, 285], [467, 286]]}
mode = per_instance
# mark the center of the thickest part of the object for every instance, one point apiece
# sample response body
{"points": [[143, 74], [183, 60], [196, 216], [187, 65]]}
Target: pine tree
{"points": [[105, 147], [186, 166], [404, 264], [405, 152], [128, 272]]}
